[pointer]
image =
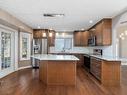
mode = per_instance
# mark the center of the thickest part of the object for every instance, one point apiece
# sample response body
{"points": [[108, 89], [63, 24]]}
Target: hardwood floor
{"points": [[26, 82]]}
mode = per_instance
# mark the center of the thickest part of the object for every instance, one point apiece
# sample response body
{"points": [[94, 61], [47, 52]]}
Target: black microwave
{"points": [[92, 41]]}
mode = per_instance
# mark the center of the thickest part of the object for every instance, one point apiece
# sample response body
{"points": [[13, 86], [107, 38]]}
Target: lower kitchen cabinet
{"points": [[96, 67], [81, 59], [107, 72]]}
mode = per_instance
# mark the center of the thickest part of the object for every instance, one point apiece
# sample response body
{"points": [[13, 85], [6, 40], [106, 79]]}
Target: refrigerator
{"points": [[39, 46]]}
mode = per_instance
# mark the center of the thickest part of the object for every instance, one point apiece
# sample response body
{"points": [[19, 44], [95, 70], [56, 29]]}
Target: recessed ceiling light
{"points": [[126, 32], [38, 27], [82, 29], [122, 38], [90, 21], [57, 34], [122, 34]]}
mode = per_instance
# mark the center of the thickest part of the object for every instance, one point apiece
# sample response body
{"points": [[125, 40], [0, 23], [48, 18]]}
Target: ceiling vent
{"points": [[53, 15]]}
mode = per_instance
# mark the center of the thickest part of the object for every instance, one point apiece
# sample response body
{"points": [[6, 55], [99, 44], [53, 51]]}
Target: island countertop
{"points": [[55, 57]]}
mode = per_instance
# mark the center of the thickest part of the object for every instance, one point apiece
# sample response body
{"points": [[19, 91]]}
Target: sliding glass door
{"points": [[6, 52]]}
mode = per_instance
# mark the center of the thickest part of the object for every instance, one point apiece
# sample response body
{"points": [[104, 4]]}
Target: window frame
{"points": [[28, 37], [64, 48]]}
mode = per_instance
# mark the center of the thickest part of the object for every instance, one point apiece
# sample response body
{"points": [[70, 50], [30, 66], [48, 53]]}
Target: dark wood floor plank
{"points": [[26, 82]]}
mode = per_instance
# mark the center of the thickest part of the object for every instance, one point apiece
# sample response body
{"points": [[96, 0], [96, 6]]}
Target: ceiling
{"points": [[78, 13]]}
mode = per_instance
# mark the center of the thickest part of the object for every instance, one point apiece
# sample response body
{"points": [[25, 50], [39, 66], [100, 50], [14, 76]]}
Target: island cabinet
{"points": [[57, 69], [58, 72], [103, 32], [81, 38], [107, 72]]}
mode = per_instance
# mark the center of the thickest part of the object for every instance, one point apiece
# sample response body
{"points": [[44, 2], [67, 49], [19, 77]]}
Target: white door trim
{"points": [[14, 35]]}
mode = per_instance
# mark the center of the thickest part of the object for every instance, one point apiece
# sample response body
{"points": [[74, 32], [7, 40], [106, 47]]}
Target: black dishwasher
{"points": [[87, 62]]}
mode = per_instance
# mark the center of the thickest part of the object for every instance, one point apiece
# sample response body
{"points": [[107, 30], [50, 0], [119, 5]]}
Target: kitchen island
{"points": [[57, 69]]}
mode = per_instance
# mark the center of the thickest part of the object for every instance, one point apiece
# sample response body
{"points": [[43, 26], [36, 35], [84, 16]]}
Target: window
{"points": [[62, 44], [25, 46], [5, 49]]}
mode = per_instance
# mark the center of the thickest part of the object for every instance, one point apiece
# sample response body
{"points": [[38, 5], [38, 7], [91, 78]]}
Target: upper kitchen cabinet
{"points": [[99, 34], [40, 33], [81, 38], [37, 34], [45, 33], [103, 32], [51, 38], [84, 38], [77, 38]]}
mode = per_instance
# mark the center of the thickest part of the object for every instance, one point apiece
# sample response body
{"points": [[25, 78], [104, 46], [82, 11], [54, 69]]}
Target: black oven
{"points": [[87, 62]]}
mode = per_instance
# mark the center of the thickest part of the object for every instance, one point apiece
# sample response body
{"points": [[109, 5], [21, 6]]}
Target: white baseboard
{"points": [[24, 67]]}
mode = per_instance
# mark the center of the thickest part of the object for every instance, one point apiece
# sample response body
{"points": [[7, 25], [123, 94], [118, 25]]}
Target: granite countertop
{"points": [[103, 57], [72, 52], [55, 57], [109, 58]]}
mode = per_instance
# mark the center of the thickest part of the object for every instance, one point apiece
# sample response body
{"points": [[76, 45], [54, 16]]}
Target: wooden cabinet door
{"points": [[95, 67], [81, 59], [52, 38], [37, 34], [40, 33], [107, 32], [77, 38], [98, 33], [84, 38]]}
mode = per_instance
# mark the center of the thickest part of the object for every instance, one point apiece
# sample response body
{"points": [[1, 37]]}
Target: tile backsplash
{"points": [[74, 49], [107, 50]]}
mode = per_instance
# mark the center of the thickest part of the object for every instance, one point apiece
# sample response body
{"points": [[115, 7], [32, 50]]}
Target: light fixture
{"points": [[90, 21], [122, 38], [50, 29], [126, 32], [44, 34], [50, 34], [82, 29], [63, 34], [57, 34], [122, 34]]}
